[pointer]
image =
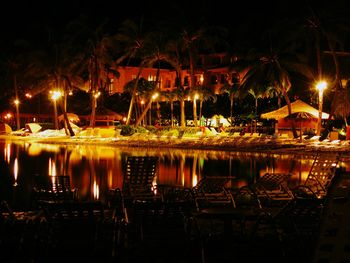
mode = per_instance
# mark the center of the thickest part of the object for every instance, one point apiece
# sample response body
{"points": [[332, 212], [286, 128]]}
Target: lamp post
{"points": [[320, 86], [16, 102], [154, 97], [55, 95]]}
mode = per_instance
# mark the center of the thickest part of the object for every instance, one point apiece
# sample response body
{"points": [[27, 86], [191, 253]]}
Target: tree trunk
{"points": [[143, 114], [183, 118], [65, 116], [133, 95], [337, 82], [289, 106], [195, 112], [93, 110], [231, 105], [172, 112]]}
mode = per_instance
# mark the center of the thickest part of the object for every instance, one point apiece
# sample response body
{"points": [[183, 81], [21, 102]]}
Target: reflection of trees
{"points": [[104, 165]]}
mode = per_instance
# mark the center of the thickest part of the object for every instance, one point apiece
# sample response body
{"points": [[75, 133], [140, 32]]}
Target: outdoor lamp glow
{"points": [[18, 123], [96, 95], [55, 95], [320, 86], [154, 96]]}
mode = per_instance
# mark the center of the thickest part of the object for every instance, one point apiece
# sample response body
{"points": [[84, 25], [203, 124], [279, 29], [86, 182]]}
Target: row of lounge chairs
{"points": [[142, 214]]}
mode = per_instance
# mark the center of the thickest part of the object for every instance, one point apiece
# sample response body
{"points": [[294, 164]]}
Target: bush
{"points": [[127, 130]]}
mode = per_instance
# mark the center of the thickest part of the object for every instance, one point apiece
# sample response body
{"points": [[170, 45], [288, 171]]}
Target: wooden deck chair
{"points": [[140, 177], [54, 188], [321, 174], [273, 187], [211, 191]]}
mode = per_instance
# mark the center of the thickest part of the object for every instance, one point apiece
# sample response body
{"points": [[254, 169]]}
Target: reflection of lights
{"points": [[96, 95], [96, 191], [194, 180], [124, 119], [154, 185], [110, 179], [52, 167], [70, 93], [28, 95], [15, 171], [7, 153]]}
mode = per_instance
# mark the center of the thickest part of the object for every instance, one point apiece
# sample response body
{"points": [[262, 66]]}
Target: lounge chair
{"points": [[321, 175], [212, 191], [54, 188], [139, 178]]}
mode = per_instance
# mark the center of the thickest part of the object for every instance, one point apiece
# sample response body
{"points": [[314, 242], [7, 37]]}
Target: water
{"points": [[94, 169]]}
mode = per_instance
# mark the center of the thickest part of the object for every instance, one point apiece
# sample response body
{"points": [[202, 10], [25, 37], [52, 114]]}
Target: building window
{"points": [[186, 81], [167, 84], [213, 79], [110, 86], [151, 78]]}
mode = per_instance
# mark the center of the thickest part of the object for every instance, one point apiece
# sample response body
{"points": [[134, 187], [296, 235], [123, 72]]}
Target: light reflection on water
{"points": [[95, 169]]}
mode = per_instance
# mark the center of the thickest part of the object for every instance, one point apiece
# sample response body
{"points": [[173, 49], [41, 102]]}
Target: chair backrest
{"points": [[273, 187], [60, 184], [139, 175], [211, 184], [321, 174], [54, 188], [211, 191]]}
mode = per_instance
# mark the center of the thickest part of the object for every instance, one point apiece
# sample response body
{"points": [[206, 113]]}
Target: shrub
{"points": [[127, 130]]}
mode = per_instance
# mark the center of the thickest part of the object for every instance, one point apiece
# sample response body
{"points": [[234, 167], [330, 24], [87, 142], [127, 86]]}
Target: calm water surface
{"points": [[96, 169]]}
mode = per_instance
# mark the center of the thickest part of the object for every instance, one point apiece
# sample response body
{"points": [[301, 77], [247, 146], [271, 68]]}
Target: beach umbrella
{"points": [[301, 117]]}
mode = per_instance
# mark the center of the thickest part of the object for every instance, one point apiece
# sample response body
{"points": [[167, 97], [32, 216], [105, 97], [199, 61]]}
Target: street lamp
{"points": [[154, 97], [16, 102], [55, 95], [320, 86]]}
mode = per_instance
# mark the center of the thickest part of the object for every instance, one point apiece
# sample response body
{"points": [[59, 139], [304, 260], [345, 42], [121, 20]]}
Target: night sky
{"points": [[19, 18]]}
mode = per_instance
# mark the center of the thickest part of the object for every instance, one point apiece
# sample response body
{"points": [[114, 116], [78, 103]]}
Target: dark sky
{"points": [[18, 13], [22, 18]]}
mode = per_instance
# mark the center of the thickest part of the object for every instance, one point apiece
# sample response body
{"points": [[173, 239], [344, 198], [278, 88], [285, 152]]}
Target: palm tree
{"points": [[272, 92], [101, 66], [133, 43], [204, 93], [320, 30], [145, 90], [342, 104], [54, 66], [272, 70], [171, 97], [232, 88]]}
